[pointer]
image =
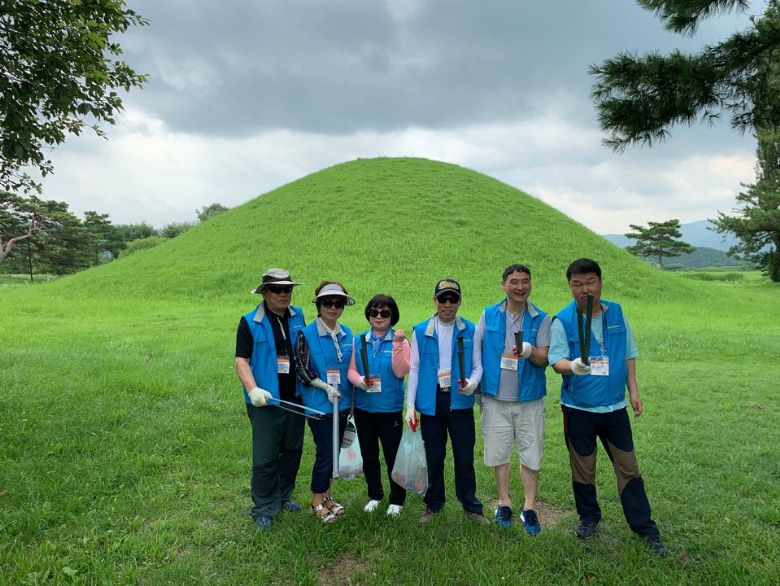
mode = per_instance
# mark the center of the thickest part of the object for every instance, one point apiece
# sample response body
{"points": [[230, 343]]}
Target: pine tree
{"points": [[640, 97], [757, 222], [659, 240]]}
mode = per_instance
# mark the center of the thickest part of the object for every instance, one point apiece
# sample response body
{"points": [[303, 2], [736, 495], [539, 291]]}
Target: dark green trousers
{"points": [[277, 445]]}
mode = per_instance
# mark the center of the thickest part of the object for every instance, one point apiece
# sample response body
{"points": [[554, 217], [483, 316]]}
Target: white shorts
{"points": [[508, 423]]}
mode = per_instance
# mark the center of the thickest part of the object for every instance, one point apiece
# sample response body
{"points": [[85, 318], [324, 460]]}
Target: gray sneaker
{"points": [[478, 517], [426, 518]]}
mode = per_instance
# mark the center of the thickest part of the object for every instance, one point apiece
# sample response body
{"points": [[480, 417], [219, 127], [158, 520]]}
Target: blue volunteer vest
{"points": [[428, 346], [391, 399], [323, 358], [263, 360], [531, 379], [589, 390]]}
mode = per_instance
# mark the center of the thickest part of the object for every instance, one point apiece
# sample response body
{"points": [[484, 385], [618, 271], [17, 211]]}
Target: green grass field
{"points": [[126, 449]]}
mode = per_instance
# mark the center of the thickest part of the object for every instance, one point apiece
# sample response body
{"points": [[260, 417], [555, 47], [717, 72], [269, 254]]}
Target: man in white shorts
{"points": [[513, 388]]}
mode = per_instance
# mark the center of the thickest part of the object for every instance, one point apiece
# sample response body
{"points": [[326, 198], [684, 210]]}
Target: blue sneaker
{"points": [[291, 506], [504, 517], [531, 522], [264, 523]]}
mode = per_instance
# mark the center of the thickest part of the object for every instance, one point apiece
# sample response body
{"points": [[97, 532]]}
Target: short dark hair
{"points": [[582, 266], [515, 268], [381, 300]]}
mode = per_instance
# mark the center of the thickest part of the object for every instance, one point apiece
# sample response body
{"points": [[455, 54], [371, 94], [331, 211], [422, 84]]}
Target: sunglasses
{"points": [[448, 299], [377, 313], [337, 303], [279, 289]]}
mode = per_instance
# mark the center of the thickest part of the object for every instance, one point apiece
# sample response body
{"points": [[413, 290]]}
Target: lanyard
{"points": [[376, 347], [602, 349], [281, 328], [335, 338]]}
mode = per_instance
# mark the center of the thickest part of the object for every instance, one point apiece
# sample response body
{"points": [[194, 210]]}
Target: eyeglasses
{"points": [[377, 313], [448, 299], [279, 289], [337, 303]]}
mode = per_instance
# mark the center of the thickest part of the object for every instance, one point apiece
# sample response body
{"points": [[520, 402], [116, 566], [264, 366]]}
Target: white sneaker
{"points": [[394, 510], [371, 506]]}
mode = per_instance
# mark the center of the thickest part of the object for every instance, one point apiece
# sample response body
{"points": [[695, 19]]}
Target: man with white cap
{"points": [[266, 367]]}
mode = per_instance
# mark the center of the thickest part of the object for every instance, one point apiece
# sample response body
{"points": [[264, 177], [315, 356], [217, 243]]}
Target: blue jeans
{"points": [[322, 431]]}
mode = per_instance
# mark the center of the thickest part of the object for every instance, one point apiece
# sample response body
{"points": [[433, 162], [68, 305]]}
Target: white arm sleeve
{"points": [[414, 372], [476, 357]]}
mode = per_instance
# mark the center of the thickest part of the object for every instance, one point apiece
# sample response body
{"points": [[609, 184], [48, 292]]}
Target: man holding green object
{"points": [[510, 347], [593, 400], [265, 366]]}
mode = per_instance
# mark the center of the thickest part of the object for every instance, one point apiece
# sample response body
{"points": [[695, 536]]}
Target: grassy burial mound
{"points": [[381, 224], [125, 451]]}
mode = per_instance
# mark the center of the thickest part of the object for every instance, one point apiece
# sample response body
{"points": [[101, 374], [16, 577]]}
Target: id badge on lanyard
{"points": [[599, 366], [445, 378], [509, 362], [282, 365], [334, 377], [376, 385]]}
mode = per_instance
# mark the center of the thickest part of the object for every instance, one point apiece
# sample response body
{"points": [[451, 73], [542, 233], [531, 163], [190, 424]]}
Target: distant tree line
{"points": [[42, 236]]}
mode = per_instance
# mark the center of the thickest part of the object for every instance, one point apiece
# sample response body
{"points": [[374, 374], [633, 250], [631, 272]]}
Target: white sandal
{"points": [[335, 508], [328, 517]]}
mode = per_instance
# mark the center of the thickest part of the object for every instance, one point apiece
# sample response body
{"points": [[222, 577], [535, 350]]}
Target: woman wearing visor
{"points": [[380, 360], [322, 354]]}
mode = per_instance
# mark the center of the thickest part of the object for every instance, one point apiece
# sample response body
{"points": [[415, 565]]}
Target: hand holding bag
{"points": [[411, 467]]}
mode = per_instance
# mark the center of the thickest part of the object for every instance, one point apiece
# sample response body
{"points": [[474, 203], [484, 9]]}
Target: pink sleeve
{"points": [[353, 375], [401, 354]]}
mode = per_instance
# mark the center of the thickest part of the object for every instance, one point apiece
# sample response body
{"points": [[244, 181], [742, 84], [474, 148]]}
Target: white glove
{"points": [[411, 418], [259, 397], [362, 384], [332, 391], [525, 352], [469, 388], [579, 368]]}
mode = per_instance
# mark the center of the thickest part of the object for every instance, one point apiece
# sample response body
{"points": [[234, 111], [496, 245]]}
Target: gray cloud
{"points": [[237, 68]]}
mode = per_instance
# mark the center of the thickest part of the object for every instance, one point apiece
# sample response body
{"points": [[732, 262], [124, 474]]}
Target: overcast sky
{"points": [[247, 95]]}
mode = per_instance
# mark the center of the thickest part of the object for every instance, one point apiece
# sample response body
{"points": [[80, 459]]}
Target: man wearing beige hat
{"points": [[266, 367]]}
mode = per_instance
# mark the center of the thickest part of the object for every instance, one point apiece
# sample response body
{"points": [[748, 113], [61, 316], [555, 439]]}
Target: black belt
{"points": [[443, 389]]}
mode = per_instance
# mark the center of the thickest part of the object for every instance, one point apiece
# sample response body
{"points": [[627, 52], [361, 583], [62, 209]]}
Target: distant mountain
{"points": [[695, 233], [702, 257]]}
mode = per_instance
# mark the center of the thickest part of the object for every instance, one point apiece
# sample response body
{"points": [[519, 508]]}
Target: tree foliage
{"points": [[209, 211], [59, 73], [640, 97], [658, 240], [757, 222], [130, 232], [173, 229], [59, 242], [104, 236]]}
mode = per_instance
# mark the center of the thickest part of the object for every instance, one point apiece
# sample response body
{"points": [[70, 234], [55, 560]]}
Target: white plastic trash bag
{"points": [[411, 468], [350, 458]]}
